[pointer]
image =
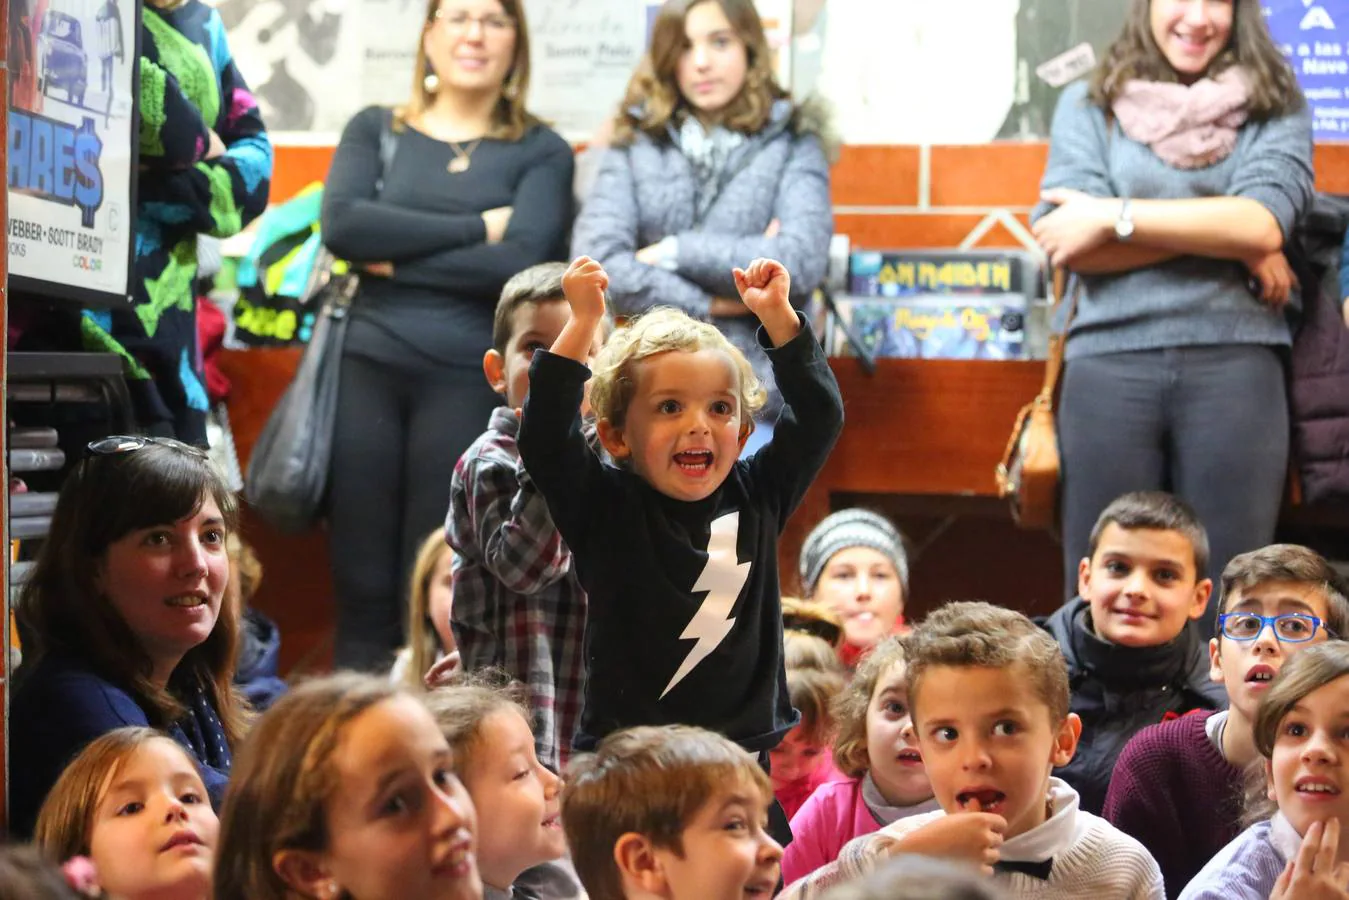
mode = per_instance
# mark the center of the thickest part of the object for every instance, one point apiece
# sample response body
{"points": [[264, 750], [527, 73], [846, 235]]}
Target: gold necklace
{"points": [[462, 159]]}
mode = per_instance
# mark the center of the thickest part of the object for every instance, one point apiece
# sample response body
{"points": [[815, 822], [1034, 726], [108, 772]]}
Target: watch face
{"points": [[1124, 229]]}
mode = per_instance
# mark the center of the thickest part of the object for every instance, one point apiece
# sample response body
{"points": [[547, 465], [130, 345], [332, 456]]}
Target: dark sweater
{"points": [[641, 556], [427, 221], [1117, 691], [1178, 795], [60, 705]]}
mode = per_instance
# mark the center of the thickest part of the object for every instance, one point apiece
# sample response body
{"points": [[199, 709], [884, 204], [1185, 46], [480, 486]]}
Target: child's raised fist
{"points": [[584, 285], [765, 285], [974, 837]]}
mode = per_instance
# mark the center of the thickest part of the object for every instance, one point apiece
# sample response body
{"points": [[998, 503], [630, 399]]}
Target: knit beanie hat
{"points": [[851, 528]]}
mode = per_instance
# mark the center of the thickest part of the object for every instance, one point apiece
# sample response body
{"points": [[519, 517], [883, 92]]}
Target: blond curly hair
{"points": [[662, 330]]}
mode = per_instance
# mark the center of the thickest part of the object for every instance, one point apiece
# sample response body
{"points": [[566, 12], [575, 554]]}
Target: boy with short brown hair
{"points": [[670, 811], [1133, 657]]}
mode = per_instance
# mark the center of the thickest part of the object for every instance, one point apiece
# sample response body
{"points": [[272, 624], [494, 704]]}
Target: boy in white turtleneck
{"points": [[989, 696]]}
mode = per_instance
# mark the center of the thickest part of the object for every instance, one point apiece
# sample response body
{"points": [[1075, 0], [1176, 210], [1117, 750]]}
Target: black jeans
{"points": [[398, 434], [1208, 423]]}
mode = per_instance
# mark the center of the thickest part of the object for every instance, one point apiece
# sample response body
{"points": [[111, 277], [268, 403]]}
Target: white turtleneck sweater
{"points": [[1091, 857]]}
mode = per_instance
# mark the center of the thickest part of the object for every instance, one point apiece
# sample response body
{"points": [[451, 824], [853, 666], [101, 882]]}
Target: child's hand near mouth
{"points": [[973, 836]]}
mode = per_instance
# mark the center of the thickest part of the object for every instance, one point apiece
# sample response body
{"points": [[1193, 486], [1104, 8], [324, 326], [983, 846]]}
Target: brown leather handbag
{"points": [[1028, 476]]}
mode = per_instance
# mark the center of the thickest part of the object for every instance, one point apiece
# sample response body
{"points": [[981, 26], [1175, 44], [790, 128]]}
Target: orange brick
{"points": [[1332, 167], [1004, 173], [917, 230], [876, 176]]}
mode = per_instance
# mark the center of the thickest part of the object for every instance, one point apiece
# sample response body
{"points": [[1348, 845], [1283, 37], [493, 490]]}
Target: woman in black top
{"points": [[476, 190]]}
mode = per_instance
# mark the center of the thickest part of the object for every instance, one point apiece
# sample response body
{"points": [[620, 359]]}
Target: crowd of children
{"points": [[728, 742]]}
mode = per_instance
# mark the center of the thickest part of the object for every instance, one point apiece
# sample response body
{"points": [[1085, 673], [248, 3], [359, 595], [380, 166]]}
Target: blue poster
{"points": [[1314, 35]]}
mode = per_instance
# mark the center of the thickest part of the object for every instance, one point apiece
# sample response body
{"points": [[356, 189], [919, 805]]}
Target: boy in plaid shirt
{"points": [[517, 603]]}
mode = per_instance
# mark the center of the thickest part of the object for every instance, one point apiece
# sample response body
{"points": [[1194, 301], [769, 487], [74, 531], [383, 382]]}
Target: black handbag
{"points": [[287, 479]]}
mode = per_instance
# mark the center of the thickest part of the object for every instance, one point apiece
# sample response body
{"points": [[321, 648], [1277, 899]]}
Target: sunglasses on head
{"points": [[114, 444]]}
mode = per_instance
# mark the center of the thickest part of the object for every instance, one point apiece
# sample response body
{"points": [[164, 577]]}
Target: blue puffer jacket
{"points": [[647, 190], [259, 654]]}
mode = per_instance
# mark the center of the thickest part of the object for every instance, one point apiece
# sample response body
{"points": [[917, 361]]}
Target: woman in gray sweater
{"points": [[1175, 178], [712, 165]]}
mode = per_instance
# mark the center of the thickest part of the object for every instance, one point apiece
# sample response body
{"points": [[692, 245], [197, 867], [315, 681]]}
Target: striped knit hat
{"points": [[851, 528]]}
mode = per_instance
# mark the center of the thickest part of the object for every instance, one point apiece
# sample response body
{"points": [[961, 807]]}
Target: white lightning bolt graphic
{"points": [[723, 578]]}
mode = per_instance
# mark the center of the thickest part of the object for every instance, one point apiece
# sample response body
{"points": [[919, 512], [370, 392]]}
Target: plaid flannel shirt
{"points": [[517, 603]]}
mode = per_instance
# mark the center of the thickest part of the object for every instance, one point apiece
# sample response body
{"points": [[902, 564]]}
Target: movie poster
{"points": [[72, 141]]}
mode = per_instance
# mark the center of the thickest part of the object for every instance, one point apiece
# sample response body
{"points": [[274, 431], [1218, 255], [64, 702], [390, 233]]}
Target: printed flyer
{"points": [[1314, 35], [72, 117]]}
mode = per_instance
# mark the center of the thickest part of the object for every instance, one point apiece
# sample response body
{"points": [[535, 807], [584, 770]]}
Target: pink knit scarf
{"points": [[1187, 126]]}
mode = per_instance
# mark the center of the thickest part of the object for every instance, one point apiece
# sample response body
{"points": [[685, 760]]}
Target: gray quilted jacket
{"points": [[646, 190]]}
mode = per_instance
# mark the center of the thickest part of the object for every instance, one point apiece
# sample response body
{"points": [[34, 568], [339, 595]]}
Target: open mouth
{"points": [[458, 862], [909, 757], [1261, 674], [553, 821], [981, 800], [763, 887], [694, 462], [182, 839], [1316, 788], [186, 601]]}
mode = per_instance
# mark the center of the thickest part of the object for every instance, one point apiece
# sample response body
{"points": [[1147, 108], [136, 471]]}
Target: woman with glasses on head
{"points": [[476, 190], [126, 617]]}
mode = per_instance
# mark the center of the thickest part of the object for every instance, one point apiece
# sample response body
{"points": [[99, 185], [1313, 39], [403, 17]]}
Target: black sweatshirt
{"points": [[640, 556], [427, 221]]}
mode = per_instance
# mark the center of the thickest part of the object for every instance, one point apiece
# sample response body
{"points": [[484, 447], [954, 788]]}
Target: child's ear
{"points": [[1084, 577], [1065, 742], [745, 431], [1202, 591], [494, 367], [304, 873], [611, 438], [1215, 660], [638, 865]]}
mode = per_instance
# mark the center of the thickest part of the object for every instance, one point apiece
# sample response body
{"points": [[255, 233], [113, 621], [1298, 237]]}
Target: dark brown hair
{"points": [[1154, 511], [981, 635], [653, 99], [103, 499], [1135, 55], [650, 781], [282, 780], [537, 284], [1294, 563], [510, 119], [850, 706]]}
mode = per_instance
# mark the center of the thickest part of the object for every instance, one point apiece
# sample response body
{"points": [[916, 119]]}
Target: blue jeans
{"points": [[1207, 423]]}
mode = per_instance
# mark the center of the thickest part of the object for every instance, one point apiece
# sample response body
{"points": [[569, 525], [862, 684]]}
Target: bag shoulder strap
{"points": [[1054, 362]]}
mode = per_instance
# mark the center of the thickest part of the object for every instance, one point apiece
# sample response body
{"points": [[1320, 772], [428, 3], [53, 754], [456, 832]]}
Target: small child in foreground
{"points": [[674, 811]]}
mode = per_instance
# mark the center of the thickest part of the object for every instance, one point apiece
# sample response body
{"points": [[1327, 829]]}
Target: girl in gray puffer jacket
{"points": [[711, 166]]}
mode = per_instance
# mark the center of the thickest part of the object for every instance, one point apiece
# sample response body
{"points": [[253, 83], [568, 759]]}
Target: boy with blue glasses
{"points": [[1177, 786]]}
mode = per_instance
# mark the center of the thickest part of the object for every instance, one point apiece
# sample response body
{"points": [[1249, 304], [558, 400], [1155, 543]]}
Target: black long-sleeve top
{"points": [[427, 221], [671, 638]]}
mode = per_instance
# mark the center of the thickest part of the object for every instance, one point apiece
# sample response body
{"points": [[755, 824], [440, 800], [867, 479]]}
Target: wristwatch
{"points": [[1124, 225]]}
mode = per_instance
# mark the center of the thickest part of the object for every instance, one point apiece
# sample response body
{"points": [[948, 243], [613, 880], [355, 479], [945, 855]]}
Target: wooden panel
{"points": [[1001, 174], [296, 589], [918, 229], [294, 168], [876, 176]]}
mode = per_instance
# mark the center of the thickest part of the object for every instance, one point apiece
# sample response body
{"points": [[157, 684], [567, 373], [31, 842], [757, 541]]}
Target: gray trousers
{"points": [[1207, 423]]}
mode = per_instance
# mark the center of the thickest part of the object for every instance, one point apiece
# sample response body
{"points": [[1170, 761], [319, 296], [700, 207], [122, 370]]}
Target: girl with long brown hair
{"points": [[712, 165], [476, 189], [1175, 179]]}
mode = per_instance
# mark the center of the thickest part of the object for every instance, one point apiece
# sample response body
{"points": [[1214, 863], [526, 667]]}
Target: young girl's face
{"points": [[863, 587], [892, 747], [1309, 769], [714, 63], [167, 583], [439, 594], [154, 832], [503, 776], [400, 825], [1191, 33], [795, 758]]}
